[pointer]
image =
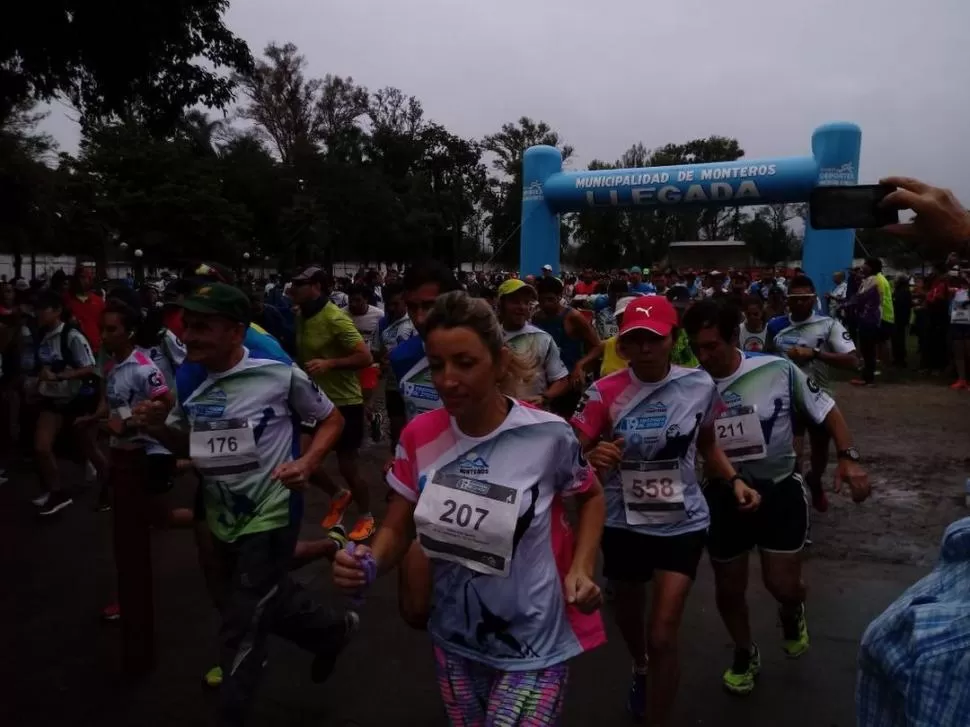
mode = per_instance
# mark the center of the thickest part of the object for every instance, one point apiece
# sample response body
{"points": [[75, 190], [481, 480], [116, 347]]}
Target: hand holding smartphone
{"points": [[838, 208]]}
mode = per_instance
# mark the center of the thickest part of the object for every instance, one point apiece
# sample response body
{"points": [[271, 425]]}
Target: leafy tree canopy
{"points": [[139, 59]]}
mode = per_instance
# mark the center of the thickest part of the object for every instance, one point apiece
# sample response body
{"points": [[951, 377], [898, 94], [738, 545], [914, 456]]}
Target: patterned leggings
{"points": [[476, 695]]}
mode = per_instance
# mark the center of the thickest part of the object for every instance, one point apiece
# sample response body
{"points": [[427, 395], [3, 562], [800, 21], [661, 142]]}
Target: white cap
{"points": [[547, 267], [622, 303], [715, 272]]}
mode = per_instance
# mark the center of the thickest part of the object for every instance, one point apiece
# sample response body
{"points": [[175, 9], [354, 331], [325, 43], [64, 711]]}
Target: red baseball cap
{"points": [[652, 313]]}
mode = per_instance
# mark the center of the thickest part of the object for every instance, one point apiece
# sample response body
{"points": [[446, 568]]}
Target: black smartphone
{"points": [[836, 208]]}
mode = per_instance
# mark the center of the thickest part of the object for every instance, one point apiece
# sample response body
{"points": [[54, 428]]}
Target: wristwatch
{"points": [[738, 478], [817, 351], [851, 454]]}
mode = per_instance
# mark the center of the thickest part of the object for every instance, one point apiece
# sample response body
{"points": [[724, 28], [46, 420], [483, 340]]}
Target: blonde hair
{"points": [[459, 310]]}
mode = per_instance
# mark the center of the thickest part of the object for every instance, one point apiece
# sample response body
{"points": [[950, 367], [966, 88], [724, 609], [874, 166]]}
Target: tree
{"points": [[26, 183], [458, 180], [903, 254], [781, 215], [339, 111], [167, 57], [768, 241], [282, 101], [200, 131], [325, 170], [503, 200], [393, 111], [253, 181], [155, 194]]}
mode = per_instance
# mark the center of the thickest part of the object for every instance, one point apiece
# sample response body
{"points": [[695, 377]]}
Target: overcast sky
{"points": [[608, 74]]}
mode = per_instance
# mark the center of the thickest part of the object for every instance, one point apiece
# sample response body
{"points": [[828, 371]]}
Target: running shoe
{"points": [[636, 701], [212, 679], [104, 502], [794, 633], [376, 426], [860, 382], [959, 385], [324, 662], [41, 500], [363, 528], [740, 678], [55, 503], [338, 535], [90, 472], [111, 612], [338, 504]]}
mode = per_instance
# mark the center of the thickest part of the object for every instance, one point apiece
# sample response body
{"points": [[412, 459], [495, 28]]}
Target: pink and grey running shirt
{"points": [[130, 382], [488, 512], [655, 491]]}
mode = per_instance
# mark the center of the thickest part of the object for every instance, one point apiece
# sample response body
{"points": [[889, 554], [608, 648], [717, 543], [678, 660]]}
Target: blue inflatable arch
{"points": [[548, 191]]}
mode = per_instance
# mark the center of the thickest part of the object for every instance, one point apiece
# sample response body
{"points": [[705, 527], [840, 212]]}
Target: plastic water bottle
{"points": [[966, 492], [369, 565]]}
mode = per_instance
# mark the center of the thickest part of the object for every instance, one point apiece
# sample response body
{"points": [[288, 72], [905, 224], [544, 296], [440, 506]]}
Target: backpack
{"points": [[67, 356], [90, 384]]}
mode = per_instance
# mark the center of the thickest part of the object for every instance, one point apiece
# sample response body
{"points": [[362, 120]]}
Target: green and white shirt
{"points": [[244, 423], [771, 390]]}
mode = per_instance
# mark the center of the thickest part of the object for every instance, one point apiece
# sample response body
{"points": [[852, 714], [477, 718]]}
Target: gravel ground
{"points": [[915, 443]]}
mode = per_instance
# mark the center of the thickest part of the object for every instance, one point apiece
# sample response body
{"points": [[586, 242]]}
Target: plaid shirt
{"points": [[914, 661]]}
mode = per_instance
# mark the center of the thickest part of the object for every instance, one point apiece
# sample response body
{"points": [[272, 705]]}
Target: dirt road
{"points": [[915, 442]]}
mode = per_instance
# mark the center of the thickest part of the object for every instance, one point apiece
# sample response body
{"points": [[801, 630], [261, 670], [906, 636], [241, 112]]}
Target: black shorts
{"points": [[70, 409], [160, 473], [353, 434], [779, 525], [395, 404], [886, 331], [631, 557]]}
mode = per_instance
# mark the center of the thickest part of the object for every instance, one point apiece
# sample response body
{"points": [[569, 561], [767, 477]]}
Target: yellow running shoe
{"points": [[338, 504], [795, 641], [213, 678], [363, 528], [740, 678]]}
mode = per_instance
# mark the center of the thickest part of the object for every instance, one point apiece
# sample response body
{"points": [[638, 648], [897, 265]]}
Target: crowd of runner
{"points": [[671, 407]]}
